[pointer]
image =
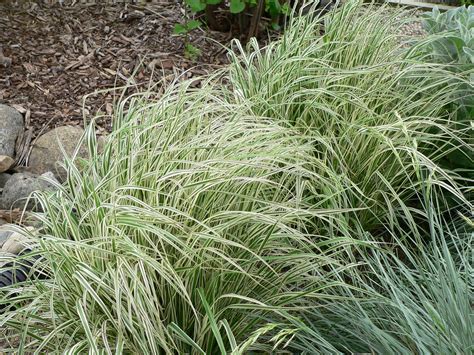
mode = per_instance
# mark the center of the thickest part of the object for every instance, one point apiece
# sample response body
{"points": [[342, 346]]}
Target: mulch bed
{"points": [[53, 55]]}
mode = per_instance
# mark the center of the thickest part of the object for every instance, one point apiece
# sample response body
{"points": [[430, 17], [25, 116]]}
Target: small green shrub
{"points": [[243, 18], [455, 41], [451, 43], [244, 15]]}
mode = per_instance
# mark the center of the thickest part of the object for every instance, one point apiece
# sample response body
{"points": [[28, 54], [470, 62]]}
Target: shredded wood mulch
{"points": [[52, 56]]}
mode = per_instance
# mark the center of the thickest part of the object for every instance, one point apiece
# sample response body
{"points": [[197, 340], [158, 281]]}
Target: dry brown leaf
{"points": [[167, 64]]}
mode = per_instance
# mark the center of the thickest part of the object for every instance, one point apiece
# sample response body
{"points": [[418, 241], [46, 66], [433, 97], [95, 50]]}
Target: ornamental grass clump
{"points": [[187, 232], [378, 118], [413, 295]]}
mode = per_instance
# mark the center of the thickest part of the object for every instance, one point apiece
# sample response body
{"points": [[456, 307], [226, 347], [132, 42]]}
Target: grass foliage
{"points": [[300, 207]]}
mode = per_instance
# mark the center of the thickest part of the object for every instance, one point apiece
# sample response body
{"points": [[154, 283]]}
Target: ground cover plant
{"points": [[245, 16], [452, 43], [295, 202]]}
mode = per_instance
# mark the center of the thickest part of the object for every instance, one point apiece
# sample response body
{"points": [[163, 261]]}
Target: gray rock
{"points": [[20, 186], [11, 124], [6, 163], [13, 241], [46, 153], [3, 179], [4, 235]]}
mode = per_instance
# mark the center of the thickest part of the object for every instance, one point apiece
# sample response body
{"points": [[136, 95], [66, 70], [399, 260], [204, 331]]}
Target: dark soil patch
{"points": [[55, 54]]}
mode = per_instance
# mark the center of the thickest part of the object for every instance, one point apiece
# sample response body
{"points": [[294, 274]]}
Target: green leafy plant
{"points": [[191, 52], [244, 14], [183, 29], [242, 17], [451, 43], [455, 41], [235, 6]]}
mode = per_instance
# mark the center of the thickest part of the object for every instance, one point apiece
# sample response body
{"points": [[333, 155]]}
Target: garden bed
{"points": [[319, 202]]}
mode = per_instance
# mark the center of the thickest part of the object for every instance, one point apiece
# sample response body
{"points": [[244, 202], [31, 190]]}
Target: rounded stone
{"points": [[11, 124], [12, 241], [19, 188], [6, 163], [3, 179], [4, 235], [46, 154]]}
